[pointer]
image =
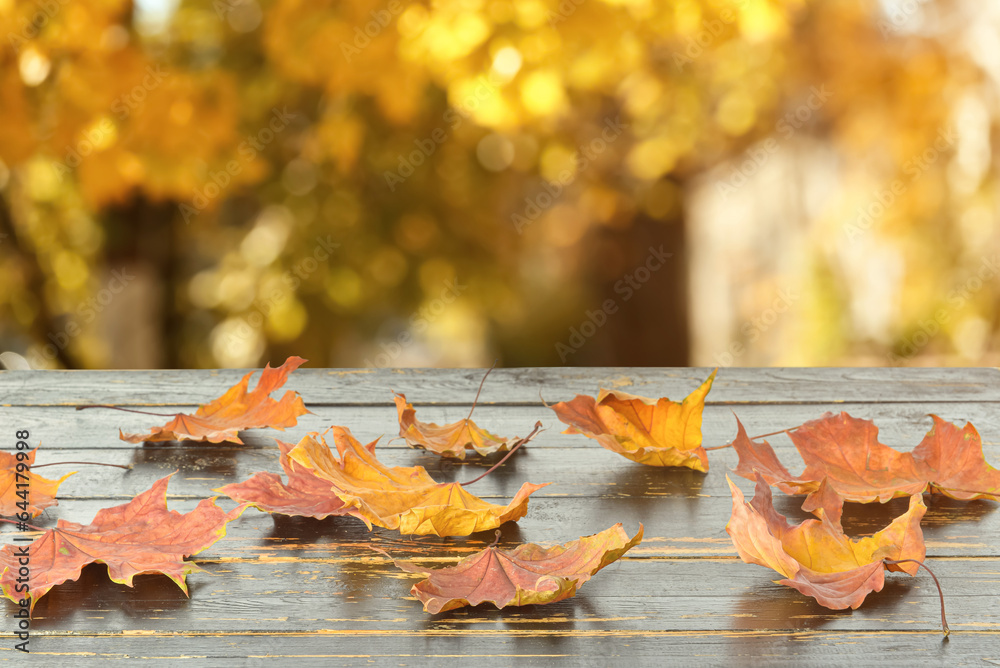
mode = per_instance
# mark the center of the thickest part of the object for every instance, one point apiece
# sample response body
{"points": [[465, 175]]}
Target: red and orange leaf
{"points": [[305, 495], [403, 498], [450, 440], [138, 537], [948, 460], [527, 575], [41, 492], [846, 462], [222, 419], [816, 557], [654, 432], [759, 458]]}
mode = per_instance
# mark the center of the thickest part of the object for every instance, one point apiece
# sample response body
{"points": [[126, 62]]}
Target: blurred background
{"points": [[221, 183]]}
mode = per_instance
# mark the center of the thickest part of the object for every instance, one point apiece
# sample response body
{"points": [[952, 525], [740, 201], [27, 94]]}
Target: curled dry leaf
{"points": [[450, 440], [39, 494], [527, 575], [305, 495], [845, 462], [816, 557], [222, 419], [657, 432], [138, 537], [404, 498]]}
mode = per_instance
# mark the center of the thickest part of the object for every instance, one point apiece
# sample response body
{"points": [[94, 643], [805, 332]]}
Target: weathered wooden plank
{"points": [[574, 471], [674, 526], [511, 386], [679, 506], [900, 425], [635, 595], [313, 591], [572, 647]]}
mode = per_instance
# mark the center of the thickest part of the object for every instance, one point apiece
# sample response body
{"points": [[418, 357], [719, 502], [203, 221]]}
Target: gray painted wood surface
{"points": [[312, 591]]}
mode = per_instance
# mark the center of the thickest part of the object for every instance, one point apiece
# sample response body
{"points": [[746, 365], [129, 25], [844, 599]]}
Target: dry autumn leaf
{"points": [[816, 557], [450, 440], [35, 493], [305, 495], [138, 537], [846, 462], [657, 432], [222, 419], [527, 575], [404, 498]]}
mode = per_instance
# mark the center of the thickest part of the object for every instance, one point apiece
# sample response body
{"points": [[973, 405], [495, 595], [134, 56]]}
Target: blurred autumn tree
{"points": [[219, 183]]}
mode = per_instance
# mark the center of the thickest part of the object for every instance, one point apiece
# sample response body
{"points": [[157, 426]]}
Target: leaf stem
{"points": [[753, 438], [496, 540], [127, 410], [476, 400], [773, 433], [30, 526], [542, 399], [120, 466], [538, 425], [944, 622]]}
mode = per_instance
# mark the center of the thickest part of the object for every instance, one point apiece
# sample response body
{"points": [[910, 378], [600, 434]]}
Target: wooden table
{"points": [[311, 590]]}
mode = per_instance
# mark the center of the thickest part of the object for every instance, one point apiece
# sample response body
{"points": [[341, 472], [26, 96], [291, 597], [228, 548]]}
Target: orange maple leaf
{"points": [[305, 495], [451, 440], [222, 419], [657, 432], [35, 493], [138, 537], [527, 575], [816, 557], [404, 498], [846, 462]]}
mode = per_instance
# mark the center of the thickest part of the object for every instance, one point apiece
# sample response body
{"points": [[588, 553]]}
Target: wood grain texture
{"points": [[640, 594], [352, 387], [596, 648], [900, 425], [313, 592]]}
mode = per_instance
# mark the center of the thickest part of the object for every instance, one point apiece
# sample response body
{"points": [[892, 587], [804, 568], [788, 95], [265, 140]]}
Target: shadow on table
{"points": [[508, 478], [310, 531], [773, 607], [639, 480], [942, 511], [567, 615], [413, 547], [867, 518], [214, 459], [93, 601]]}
